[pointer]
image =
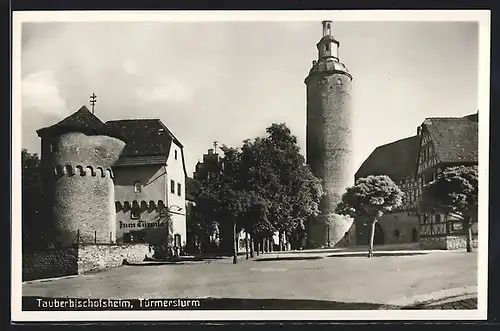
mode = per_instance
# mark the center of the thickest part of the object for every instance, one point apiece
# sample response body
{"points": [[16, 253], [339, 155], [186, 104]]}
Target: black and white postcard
{"points": [[245, 165]]}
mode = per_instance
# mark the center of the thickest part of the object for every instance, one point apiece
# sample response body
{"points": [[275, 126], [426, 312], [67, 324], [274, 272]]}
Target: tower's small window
{"points": [[135, 213], [172, 186], [179, 189], [51, 149], [327, 47], [175, 154], [137, 187]]}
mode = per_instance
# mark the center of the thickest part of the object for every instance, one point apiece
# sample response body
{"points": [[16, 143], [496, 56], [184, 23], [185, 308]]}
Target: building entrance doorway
{"points": [[414, 235], [378, 238]]}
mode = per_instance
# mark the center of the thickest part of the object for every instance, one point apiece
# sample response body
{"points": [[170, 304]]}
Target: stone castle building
{"points": [[329, 136], [113, 182], [411, 163]]}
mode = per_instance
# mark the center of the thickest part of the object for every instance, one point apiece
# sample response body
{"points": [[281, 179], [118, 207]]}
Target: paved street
{"points": [[343, 279]]}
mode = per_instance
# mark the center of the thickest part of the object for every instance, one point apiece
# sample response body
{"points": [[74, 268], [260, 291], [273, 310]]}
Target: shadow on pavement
{"points": [[31, 304], [376, 254], [288, 258]]}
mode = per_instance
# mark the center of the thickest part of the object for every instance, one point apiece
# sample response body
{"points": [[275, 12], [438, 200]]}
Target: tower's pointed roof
{"points": [[80, 121], [82, 118]]}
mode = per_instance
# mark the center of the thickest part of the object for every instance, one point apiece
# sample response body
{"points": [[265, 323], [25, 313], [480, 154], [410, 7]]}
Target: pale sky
{"points": [[228, 81]]}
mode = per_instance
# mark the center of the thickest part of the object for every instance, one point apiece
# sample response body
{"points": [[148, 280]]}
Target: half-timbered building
{"points": [[445, 142], [412, 163]]}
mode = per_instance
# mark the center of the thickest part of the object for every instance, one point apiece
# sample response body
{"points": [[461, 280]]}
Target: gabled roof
{"points": [[455, 139], [140, 160], [397, 160], [192, 187], [80, 121], [473, 117], [145, 137]]}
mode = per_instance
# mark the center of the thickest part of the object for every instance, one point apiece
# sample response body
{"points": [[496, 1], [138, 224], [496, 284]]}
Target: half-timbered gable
{"points": [[445, 142]]}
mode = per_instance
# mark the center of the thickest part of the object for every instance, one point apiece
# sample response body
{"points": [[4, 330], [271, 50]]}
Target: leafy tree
{"points": [[32, 229], [221, 198], [275, 171], [371, 197], [455, 190], [262, 188], [199, 222]]}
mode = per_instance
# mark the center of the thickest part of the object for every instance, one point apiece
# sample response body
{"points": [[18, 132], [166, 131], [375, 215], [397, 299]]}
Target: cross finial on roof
{"points": [[215, 146], [93, 99]]}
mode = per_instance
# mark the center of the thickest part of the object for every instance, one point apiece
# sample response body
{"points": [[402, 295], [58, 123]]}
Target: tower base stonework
{"points": [[328, 230], [329, 137]]}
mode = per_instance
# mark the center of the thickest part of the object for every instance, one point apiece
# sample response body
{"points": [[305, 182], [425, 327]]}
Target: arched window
{"points": [[396, 234], [137, 187], [135, 211]]}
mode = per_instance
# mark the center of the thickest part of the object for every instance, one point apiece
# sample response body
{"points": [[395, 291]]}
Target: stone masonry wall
{"points": [[459, 242], [447, 243], [80, 204], [433, 243], [74, 261], [52, 263], [82, 185], [329, 149], [100, 257]]}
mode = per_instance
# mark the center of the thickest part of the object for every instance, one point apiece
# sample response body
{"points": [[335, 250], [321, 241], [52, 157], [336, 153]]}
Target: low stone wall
{"points": [[87, 258], [51, 263], [433, 243], [100, 257], [447, 242], [459, 242]]}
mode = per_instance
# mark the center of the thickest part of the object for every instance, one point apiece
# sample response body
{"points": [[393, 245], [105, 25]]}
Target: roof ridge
{"points": [[449, 118], [134, 119], [396, 141]]}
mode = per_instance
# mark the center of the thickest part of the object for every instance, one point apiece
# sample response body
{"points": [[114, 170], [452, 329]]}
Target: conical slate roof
{"points": [[80, 121]]}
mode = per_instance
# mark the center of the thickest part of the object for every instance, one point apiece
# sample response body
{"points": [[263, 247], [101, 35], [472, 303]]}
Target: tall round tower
{"points": [[329, 136], [77, 155]]}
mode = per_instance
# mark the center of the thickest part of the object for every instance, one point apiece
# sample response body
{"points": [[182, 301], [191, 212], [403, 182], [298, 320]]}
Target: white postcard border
{"points": [[481, 16]]}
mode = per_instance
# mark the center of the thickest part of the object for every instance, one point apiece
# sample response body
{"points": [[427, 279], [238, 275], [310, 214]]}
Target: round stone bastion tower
{"points": [[77, 155], [329, 137]]}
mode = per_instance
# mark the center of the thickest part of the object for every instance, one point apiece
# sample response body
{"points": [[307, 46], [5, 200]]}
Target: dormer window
{"points": [[137, 187]]}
